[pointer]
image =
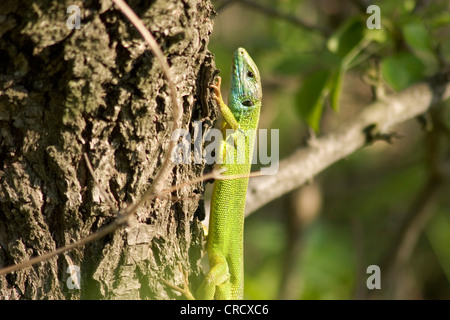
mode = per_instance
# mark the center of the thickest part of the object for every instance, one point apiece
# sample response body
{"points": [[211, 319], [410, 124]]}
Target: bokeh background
{"points": [[387, 204]]}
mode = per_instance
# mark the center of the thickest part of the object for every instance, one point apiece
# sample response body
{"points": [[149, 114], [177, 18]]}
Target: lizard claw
{"points": [[217, 95]]}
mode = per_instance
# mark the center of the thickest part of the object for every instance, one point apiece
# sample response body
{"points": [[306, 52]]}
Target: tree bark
{"points": [[98, 90]]}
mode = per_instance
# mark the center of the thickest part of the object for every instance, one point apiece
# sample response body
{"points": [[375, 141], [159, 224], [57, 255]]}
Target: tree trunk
{"points": [[98, 90]]}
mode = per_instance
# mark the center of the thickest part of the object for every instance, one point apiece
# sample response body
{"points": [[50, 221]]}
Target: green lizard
{"points": [[225, 279]]}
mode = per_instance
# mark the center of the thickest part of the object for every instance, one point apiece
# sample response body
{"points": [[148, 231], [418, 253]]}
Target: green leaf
{"points": [[335, 86], [441, 20], [377, 35], [311, 98], [409, 5], [402, 70], [417, 36], [438, 233], [347, 37], [293, 63]]}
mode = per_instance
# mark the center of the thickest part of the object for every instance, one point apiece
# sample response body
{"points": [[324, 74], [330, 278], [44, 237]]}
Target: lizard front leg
{"points": [[227, 115], [229, 121]]}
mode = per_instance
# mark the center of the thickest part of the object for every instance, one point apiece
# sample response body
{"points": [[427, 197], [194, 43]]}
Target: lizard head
{"points": [[245, 83]]}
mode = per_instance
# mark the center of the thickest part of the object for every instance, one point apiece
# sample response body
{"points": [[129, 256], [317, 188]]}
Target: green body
{"points": [[225, 279]]}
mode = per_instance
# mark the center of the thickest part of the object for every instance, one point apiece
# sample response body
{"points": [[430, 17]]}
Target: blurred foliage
{"points": [[317, 75]]}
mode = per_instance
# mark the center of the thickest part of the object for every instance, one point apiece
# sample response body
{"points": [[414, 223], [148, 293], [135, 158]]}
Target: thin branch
{"points": [[177, 111], [322, 152], [122, 219], [160, 179], [411, 228], [94, 236], [97, 183], [224, 4], [185, 290], [284, 16], [361, 5], [420, 211], [290, 283], [305, 163]]}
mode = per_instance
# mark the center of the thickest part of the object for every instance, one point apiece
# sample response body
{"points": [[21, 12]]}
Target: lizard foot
{"points": [[217, 95]]}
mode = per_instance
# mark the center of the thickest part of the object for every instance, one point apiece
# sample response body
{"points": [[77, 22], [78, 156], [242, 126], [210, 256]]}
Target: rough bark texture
{"points": [[97, 90]]}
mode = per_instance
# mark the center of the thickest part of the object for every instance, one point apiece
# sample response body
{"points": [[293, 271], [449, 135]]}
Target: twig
{"points": [[290, 282], [419, 213], [176, 108], [160, 179], [404, 243], [94, 236], [97, 183], [224, 4], [307, 162], [361, 5], [123, 216], [285, 16], [185, 290]]}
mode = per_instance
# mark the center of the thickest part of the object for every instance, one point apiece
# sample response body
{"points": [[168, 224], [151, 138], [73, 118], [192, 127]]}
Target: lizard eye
{"points": [[248, 103], [250, 74]]}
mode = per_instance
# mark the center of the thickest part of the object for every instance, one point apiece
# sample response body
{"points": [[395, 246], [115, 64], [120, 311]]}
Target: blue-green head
{"points": [[246, 91]]}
